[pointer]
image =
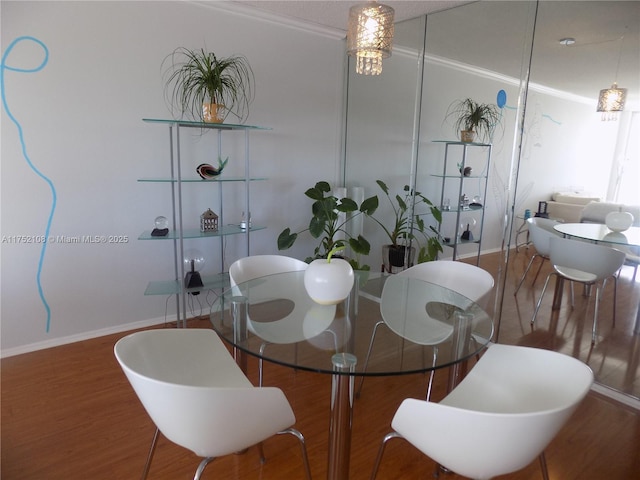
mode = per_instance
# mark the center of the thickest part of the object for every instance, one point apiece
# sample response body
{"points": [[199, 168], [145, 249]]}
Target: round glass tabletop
{"points": [[414, 318]]}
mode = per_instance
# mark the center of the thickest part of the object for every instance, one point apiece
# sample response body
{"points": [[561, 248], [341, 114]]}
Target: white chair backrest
{"points": [[468, 280], [599, 260], [502, 415], [255, 266], [540, 232], [196, 394], [463, 284]]}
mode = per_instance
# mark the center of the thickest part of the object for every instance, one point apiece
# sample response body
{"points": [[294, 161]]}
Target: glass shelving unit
{"points": [[178, 235], [453, 177]]}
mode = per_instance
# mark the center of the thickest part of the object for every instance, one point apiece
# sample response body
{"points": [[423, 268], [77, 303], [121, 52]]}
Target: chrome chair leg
{"points": [[432, 373], [303, 447], [615, 297], [366, 360], [543, 466], [386, 438], [544, 288], [202, 466], [152, 450], [260, 364], [526, 270], [599, 291]]}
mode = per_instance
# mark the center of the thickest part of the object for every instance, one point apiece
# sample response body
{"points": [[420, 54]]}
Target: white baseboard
{"points": [[616, 395], [32, 347]]}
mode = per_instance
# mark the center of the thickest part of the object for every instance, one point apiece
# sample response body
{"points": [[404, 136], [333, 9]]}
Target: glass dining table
{"points": [[273, 318]]}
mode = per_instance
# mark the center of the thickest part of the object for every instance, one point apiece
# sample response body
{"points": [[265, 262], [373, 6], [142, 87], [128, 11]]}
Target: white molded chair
{"points": [[500, 417], [470, 281], [586, 263], [198, 397], [540, 232], [255, 266], [292, 328]]}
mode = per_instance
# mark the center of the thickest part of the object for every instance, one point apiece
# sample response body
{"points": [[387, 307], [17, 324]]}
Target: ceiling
{"points": [[335, 13], [603, 30]]}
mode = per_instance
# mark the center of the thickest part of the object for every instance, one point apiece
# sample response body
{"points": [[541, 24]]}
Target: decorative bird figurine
{"points": [[207, 171]]}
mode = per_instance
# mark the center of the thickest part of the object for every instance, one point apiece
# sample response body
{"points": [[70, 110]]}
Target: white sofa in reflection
{"points": [[568, 206]]}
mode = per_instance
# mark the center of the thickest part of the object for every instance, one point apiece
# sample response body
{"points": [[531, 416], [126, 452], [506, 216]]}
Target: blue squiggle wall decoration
{"points": [[5, 67]]}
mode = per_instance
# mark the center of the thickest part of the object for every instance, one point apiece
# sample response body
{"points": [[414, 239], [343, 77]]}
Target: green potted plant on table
{"points": [[407, 229], [207, 87], [472, 118], [327, 224]]}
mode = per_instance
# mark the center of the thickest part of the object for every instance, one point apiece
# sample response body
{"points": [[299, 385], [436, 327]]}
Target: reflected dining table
{"points": [[599, 233], [274, 319]]}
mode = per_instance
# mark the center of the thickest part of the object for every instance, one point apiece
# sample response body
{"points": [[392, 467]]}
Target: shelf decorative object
{"points": [[208, 171], [161, 227], [193, 259], [209, 221], [206, 87]]}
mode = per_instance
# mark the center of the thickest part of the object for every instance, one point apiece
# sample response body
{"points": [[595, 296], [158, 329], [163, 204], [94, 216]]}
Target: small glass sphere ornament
{"points": [[161, 227], [161, 222]]}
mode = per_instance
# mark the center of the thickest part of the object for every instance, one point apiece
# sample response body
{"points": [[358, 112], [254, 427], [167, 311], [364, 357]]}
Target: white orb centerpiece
{"points": [[328, 281], [618, 221]]}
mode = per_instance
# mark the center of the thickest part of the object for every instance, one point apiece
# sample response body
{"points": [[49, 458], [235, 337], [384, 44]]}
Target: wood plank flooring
{"points": [[68, 413]]}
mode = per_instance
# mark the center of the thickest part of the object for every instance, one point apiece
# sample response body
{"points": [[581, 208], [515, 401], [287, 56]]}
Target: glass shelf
{"points": [[458, 142], [196, 233], [194, 124], [461, 242], [454, 210], [173, 287], [200, 180], [457, 177]]}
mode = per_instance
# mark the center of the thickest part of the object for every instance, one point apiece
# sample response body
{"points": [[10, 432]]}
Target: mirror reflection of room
{"points": [[553, 155]]}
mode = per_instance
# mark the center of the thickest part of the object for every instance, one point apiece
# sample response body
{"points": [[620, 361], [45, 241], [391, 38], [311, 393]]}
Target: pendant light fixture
{"points": [[370, 36], [611, 100]]}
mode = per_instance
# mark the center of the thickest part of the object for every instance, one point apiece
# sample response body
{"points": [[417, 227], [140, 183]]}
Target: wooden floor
{"points": [[68, 413], [614, 358]]}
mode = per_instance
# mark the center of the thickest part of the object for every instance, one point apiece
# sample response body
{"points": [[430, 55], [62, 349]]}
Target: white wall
{"points": [[81, 122]]}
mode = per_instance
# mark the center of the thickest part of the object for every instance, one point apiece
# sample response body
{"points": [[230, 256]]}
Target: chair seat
{"points": [[575, 275]]}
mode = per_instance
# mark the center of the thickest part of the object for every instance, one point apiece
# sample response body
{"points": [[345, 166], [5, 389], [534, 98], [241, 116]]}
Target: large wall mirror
{"points": [[550, 139]]}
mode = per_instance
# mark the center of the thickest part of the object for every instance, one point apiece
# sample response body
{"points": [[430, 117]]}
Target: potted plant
{"points": [[207, 87], [406, 229], [327, 224], [473, 118]]}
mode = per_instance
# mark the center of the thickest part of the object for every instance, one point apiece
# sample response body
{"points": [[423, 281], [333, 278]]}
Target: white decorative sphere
{"points": [[618, 221], [328, 283]]}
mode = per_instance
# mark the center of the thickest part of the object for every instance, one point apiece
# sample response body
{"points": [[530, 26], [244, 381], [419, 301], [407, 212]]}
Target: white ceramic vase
{"points": [[618, 221], [328, 282]]}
